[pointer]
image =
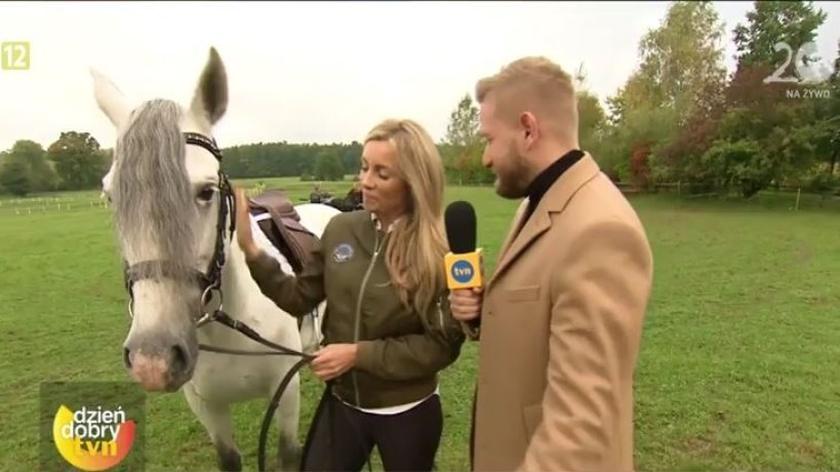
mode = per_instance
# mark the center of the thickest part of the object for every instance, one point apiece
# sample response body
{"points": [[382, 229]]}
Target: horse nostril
{"points": [[179, 359], [127, 357]]}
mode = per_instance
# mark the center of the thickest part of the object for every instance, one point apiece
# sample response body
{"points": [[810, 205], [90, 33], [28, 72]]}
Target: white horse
{"points": [[166, 196]]}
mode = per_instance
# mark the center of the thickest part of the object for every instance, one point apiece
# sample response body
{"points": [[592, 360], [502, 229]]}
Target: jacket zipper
{"points": [[376, 249]]}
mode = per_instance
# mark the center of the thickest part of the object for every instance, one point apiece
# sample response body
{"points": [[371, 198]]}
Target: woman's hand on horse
{"points": [[243, 225], [333, 360]]}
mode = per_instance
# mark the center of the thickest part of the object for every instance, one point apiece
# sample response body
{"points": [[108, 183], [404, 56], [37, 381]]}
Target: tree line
{"points": [[680, 117], [76, 162], [310, 161]]}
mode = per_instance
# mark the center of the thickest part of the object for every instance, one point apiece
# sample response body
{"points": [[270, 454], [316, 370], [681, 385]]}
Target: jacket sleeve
{"points": [[415, 355], [297, 295], [599, 295], [472, 329]]}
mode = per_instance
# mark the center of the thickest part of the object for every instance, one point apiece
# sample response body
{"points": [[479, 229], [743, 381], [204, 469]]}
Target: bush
{"points": [[823, 183], [738, 164]]}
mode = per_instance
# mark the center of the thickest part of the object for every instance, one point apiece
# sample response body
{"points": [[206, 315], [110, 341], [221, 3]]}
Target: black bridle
{"points": [[210, 283]]}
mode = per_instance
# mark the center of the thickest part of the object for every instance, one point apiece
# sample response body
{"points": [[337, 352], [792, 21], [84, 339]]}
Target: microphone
{"points": [[463, 263]]}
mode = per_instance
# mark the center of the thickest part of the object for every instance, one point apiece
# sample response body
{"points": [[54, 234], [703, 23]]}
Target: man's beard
{"points": [[514, 184]]}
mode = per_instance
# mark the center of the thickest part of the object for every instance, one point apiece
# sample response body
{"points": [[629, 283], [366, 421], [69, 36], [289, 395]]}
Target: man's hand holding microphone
{"points": [[465, 304], [463, 266]]}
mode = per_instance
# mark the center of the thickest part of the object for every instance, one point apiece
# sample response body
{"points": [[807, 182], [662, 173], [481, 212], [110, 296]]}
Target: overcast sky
{"points": [[312, 72]]}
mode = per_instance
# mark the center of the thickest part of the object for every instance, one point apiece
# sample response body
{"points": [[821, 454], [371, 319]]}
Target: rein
{"points": [[224, 319]]}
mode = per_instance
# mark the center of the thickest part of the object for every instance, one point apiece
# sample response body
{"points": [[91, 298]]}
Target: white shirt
{"points": [[393, 410]]}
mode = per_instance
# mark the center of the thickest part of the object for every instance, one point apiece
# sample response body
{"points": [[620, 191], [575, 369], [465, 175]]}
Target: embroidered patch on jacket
{"points": [[342, 253]]}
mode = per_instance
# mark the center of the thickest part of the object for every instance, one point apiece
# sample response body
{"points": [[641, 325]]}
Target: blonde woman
{"points": [[388, 330]]}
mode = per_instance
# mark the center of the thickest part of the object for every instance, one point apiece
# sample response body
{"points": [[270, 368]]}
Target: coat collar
{"points": [[378, 223], [368, 230], [554, 201]]}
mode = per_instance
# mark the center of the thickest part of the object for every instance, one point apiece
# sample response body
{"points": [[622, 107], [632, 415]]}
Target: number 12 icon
{"points": [[14, 55]]}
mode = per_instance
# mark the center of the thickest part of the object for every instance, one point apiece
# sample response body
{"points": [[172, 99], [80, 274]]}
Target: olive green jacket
{"points": [[400, 350]]}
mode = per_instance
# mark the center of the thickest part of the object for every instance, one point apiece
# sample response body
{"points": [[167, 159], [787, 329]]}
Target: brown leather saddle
{"points": [[282, 227]]}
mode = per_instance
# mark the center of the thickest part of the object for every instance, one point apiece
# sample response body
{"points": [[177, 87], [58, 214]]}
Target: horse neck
{"points": [[237, 304], [241, 292], [234, 272]]}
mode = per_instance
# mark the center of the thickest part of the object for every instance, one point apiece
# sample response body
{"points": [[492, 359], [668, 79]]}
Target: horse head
{"points": [[172, 206]]}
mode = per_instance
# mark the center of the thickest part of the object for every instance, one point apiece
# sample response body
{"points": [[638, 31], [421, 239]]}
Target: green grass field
{"points": [[738, 368]]}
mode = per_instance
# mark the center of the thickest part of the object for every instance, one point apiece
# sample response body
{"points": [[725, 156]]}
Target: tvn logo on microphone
{"points": [[463, 270]]}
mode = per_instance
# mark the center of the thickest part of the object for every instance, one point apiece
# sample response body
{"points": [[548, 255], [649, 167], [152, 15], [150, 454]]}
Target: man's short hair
{"points": [[537, 85]]}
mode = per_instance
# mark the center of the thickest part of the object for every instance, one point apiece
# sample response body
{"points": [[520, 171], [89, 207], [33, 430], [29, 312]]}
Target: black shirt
{"points": [[546, 179]]}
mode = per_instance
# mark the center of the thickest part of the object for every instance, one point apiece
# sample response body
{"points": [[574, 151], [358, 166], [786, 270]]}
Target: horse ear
{"points": [[110, 99], [211, 96], [107, 181]]}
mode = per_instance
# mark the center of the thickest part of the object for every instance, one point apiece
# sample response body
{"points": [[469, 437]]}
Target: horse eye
{"points": [[206, 194]]}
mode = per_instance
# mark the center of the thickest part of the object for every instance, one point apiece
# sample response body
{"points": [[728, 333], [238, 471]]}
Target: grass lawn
{"points": [[738, 368]]}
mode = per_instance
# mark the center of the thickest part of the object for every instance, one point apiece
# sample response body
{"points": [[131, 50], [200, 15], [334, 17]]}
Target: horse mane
{"points": [[152, 196]]}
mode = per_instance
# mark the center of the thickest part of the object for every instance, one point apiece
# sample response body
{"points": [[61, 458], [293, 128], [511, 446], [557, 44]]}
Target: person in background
{"points": [[318, 195]]}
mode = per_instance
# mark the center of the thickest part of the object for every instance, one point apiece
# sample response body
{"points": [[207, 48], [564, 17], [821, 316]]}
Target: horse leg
{"points": [[288, 415], [216, 420]]}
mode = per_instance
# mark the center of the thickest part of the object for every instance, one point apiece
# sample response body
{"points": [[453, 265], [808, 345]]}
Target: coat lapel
{"points": [[536, 225], [554, 201], [513, 231]]}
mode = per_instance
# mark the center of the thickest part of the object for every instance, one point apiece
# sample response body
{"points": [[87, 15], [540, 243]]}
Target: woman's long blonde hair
{"points": [[417, 244]]}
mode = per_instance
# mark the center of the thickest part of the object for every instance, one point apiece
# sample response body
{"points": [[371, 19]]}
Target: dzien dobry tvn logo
{"points": [[93, 439]]}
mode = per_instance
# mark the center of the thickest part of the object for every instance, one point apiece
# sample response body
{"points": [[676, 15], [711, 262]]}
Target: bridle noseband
{"points": [[209, 281]]}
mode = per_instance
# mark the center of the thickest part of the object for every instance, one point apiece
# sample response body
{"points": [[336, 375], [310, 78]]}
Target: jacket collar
{"points": [[368, 229], [378, 224], [554, 201]]}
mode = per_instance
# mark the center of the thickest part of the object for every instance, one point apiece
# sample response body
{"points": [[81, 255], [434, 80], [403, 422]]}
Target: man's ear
{"points": [[530, 128]]}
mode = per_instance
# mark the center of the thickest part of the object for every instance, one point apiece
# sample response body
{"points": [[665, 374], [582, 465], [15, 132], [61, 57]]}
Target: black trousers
{"points": [[342, 438]]}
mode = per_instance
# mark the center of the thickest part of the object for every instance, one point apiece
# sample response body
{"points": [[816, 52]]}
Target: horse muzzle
{"points": [[160, 363]]}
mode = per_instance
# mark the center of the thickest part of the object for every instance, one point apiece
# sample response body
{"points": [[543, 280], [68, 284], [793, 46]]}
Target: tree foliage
{"points": [[25, 169], [79, 162]]}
